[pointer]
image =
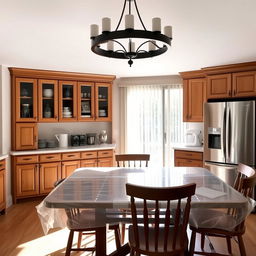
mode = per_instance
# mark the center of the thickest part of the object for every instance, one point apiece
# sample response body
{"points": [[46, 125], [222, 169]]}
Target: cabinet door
{"points": [[27, 180], [219, 86], [48, 100], [103, 96], [68, 167], [188, 163], [244, 84], [86, 102], [2, 190], [26, 100], [105, 162], [194, 98], [49, 173], [89, 163], [26, 136], [67, 101]]}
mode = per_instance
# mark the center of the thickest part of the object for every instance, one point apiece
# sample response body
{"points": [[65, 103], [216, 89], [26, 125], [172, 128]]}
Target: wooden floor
{"points": [[21, 234]]}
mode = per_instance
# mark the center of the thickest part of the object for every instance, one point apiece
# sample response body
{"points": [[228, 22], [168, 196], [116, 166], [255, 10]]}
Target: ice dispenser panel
{"points": [[214, 138]]}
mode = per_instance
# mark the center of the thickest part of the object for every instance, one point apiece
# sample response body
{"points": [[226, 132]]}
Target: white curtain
{"points": [[144, 121], [151, 121]]}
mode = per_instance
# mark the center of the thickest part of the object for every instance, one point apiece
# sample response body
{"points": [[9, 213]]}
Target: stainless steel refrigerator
{"points": [[229, 137]]}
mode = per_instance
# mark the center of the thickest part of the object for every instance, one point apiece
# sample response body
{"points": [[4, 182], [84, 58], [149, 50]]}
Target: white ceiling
{"points": [[54, 34]]}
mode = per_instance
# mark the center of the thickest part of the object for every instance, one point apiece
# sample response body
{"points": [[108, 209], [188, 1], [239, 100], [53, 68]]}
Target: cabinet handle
{"points": [[50, 157], [27, 159], [105, 153], [89, 154], [71, 155]]}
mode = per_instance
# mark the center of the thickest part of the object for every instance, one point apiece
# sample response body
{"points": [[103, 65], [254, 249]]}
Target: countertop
{"points": [[3, 156], [187, 148], [63, 150]]}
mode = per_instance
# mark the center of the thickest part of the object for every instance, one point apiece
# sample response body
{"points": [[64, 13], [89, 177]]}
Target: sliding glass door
{"points": [[154, 121]]}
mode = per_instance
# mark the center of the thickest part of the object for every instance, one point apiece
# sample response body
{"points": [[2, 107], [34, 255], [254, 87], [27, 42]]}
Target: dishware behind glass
{"points": [[25, 112], [48, 93]]}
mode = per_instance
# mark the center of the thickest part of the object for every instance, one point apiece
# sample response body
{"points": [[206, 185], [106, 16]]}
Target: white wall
{"points": [[5, 115]]}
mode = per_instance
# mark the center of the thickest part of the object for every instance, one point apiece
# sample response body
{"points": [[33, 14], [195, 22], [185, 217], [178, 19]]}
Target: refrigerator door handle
{"points": [[227, 135], [223, 148]]}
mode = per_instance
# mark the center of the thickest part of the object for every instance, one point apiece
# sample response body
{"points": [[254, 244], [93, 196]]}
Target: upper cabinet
{"points": [[103, 102], [231, 81], [25, 100], [67, 101], [86, 101], [193, 96], [47, 100]]}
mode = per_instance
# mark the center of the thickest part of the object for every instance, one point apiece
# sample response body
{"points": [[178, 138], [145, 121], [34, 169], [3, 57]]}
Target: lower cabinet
{"points": [[2, 187], [68, 167], [49, 173], [35, 175], [185, 158]]}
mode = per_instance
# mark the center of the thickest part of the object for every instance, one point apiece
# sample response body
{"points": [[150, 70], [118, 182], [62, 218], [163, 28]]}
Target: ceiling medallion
{"points": [[113, 39]]}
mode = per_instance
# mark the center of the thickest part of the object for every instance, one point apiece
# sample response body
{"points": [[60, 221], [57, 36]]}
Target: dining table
{"points": [[103, 189]]}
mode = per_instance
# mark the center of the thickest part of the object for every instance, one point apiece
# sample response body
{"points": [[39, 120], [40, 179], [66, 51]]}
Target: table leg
{"points": [[101, 242]]}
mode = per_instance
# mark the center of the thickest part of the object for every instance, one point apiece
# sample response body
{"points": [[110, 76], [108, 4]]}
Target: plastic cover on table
{"points": [[103, 189]]}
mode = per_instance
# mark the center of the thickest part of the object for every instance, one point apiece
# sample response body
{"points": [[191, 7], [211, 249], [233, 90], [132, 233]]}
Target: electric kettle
{"points": [[62, 139]]}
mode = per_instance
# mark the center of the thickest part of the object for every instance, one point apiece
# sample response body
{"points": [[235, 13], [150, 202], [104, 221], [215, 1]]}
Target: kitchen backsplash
{"points": [[48, 130]]}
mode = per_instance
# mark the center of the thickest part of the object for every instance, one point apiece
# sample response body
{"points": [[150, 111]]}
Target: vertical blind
{"points": [[153, 121]]}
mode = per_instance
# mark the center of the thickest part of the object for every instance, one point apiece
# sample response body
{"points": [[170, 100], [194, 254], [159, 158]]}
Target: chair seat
{"points": [[210, 218], [152, 240]]}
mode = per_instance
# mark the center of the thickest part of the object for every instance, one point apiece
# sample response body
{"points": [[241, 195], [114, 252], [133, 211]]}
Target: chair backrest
{"points": [[247, 185], [132, 160], [158, 212], [243, 171]]}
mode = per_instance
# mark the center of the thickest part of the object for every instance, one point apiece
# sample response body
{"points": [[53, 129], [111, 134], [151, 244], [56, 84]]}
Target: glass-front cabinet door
{"points": [[26, 100], [103, 102], [67, 101], [86, 101], [48, 100]]}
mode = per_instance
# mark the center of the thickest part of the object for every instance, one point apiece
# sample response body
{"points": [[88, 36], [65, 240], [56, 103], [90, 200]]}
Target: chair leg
{"points": [[241, 246], [192, 243], [228, 238], [123, 232], [70, 242], [202, 241], [79, 240], [117, 237]]}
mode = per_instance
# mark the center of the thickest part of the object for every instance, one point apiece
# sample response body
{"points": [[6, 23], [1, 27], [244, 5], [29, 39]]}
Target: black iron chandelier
{"points": [[113, 39]]}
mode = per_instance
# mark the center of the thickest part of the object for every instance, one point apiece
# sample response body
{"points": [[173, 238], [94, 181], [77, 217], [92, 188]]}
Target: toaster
{"points": [[193, 138]]}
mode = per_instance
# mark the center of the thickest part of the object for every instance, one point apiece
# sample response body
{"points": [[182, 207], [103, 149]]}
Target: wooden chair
{"points": [[132, 160], [244, 183], [154, 234], [83, 221]]}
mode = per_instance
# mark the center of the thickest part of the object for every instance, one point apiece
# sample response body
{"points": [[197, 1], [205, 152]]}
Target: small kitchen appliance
{"points": [[91, 138], [75, 141], [193, 138], [62, 139]]}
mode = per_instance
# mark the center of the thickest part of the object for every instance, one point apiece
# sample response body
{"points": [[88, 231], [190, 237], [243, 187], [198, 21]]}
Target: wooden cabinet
{"points": [[49, 174], [188, 158], [89, 163], [27, 180], [231, 85], [26, 136], [244, 84], [103, 97], [101, 158], [67, 101], [194, 98], [68, 167], [219, 86], [2, 187], [48, 100], [25, 100], [105, 162], [86, 101]]}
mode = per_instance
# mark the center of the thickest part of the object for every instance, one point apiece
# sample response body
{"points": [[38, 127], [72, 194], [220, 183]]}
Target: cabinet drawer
{"points": [[188, 163], [105, 153], [188, 155], [27, 159], [71, 156], [2, 164], [50, 157], [88, 154]]}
